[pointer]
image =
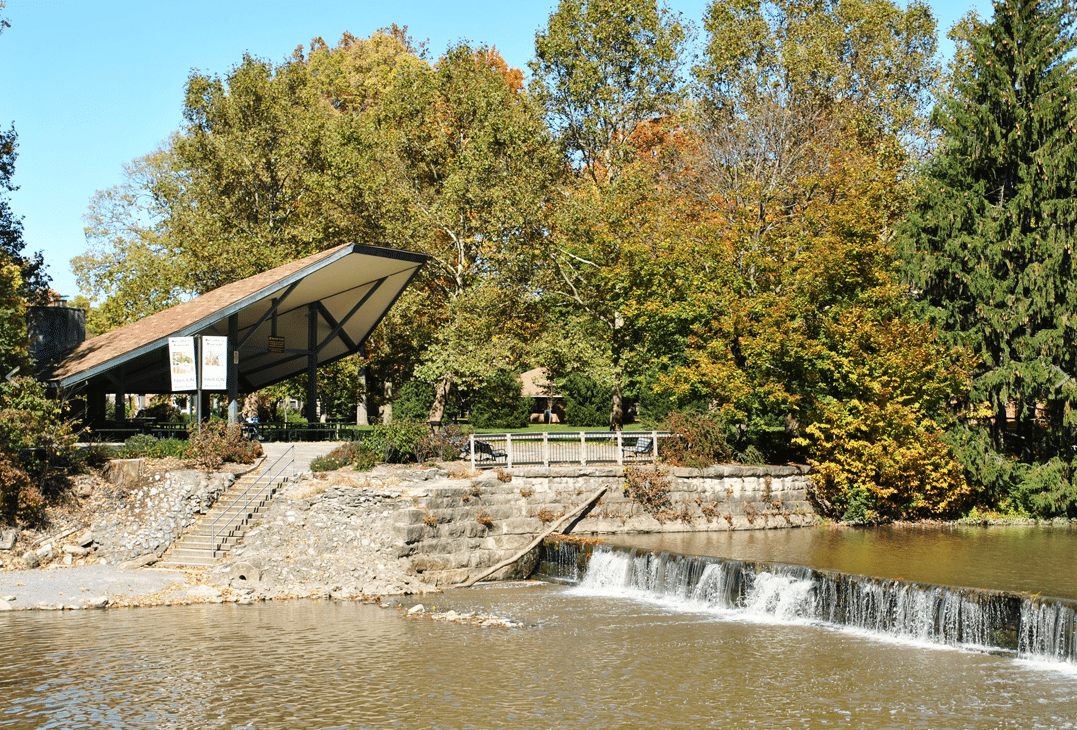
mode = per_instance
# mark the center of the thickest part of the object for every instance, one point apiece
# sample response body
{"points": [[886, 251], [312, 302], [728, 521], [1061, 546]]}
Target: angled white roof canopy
{"points": [[347, 289]]}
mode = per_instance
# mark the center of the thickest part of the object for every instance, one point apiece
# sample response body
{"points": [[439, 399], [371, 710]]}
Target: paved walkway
{"points": [[305, 452], [80, 584]]}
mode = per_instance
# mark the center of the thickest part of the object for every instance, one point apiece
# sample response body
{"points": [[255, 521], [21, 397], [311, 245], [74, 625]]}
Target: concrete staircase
{"points": [[227, 521]]}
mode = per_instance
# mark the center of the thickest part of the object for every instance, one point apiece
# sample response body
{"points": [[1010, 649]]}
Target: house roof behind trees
{"points": [[350, 288]]}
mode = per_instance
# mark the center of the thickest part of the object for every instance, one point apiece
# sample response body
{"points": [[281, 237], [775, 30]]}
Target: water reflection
{"points": [[1034, 559], [582, 662]]}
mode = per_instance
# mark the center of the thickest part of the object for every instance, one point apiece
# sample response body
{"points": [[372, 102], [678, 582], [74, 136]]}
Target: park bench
{"points": [[484, 450], [642, 447]]}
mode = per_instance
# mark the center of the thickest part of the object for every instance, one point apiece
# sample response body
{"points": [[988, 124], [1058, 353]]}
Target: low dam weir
{"points": [[1026, 626]]}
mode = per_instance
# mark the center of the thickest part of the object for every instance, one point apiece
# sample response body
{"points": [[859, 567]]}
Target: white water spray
{"points": [[1034, 628]]}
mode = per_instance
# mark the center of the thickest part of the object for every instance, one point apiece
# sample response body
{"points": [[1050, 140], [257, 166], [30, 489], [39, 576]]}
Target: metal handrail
{"points": [[214, 532]]}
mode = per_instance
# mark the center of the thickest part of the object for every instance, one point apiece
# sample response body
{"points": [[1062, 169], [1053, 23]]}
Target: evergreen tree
{"points": [[498, 403], [585, 401], [34, 286], [990, 248]]}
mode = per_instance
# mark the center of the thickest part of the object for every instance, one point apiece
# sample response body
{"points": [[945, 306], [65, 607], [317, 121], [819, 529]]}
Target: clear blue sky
{"points": [[91, 85]]}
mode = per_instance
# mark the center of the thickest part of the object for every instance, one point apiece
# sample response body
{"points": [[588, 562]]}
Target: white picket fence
{"points": [[564, 447]]}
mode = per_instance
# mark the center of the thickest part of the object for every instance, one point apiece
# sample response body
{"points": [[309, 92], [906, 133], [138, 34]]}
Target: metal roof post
{"points": [[233, 369], [312, 362]]}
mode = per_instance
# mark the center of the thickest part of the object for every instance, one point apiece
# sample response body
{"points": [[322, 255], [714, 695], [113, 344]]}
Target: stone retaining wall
{"points": [[459, 527], [157, 509]]}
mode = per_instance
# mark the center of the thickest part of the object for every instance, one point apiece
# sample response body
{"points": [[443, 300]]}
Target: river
{"points": [[585, 658]]}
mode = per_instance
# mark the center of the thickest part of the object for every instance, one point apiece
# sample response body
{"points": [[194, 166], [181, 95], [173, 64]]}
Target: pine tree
{"points": [[990, 249]]}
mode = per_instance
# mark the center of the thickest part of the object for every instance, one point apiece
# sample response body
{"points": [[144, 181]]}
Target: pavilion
{"points": [[279, 324]]}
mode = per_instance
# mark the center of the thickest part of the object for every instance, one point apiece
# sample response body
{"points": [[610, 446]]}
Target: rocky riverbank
{"points": [[325, 536], [330, 535], [391, 531], [136, 508]]}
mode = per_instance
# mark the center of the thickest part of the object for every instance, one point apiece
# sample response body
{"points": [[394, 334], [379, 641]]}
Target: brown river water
{"points": [[587, 657]]}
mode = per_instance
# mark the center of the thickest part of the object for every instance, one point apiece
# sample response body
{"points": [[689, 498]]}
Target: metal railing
{"points": [[249, 494], [564, 447], [293, 432], [269, 431]]}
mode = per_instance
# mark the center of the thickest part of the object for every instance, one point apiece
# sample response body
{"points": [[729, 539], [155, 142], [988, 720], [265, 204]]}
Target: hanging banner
{"points": [[214, 363], [181, 363]]}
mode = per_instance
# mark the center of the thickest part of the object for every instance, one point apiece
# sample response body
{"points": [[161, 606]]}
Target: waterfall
{"points": [[1032, 627]]}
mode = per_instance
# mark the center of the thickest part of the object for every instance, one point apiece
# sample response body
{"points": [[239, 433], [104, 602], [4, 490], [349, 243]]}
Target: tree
{"points": [[606, 72], [366, 141], [34, 282], [14, 344], [254, 154], [243, 187], [585, 400], [602, 68], [455, 162], [756, 271], [499, 404], [870, 53], [989, 247], [132, 263]]}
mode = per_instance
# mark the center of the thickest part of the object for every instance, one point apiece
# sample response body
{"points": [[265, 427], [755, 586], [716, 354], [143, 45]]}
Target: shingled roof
{"points": [[351, 286]]}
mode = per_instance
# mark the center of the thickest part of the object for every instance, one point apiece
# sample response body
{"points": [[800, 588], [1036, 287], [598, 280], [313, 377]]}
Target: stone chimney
{"points": [[55, 331]]}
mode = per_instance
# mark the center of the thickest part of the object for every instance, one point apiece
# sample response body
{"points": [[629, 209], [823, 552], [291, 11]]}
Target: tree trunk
{"points": [[387, 404], [617, 416], [360, 408], [999, 430], [441, 396]]}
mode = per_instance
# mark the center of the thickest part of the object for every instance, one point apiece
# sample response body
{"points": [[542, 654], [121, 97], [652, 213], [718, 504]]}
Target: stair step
{"points": [[181, 555], [208, 544], [186, 563], [225, 524]]}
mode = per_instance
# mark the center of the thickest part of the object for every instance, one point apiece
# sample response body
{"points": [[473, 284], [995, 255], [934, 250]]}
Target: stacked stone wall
{"points": [[459, 527]]}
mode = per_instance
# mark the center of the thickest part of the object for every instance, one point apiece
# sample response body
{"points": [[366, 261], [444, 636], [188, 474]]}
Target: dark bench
{"points": [[642, 447], [486, 451]]}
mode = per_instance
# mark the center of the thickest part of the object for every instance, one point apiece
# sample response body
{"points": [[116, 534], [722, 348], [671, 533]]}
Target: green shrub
{"points": [[413, 401], [369, 457], [96, 454], [293, 416], [33, 424], [394, 443], [498, 403], [339, 457], [139, 446], [586, 402], [144, 446], [30, 419], [175, 448], [327, 462]]}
